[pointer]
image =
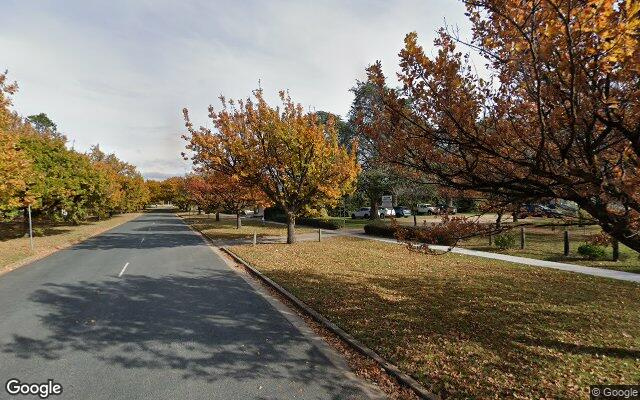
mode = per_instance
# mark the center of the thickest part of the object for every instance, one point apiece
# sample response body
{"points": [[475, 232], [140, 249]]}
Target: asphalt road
{"points": [[149, 311]]}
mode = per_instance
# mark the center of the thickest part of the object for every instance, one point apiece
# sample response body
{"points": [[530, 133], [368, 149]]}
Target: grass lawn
{"points": [[225, 229], [547, 244], [15, 249], [467, 327], [542, 242]]}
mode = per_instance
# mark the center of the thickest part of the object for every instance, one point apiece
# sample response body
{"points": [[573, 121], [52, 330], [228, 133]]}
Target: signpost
{"points": [[30, 228], [387, 201]]}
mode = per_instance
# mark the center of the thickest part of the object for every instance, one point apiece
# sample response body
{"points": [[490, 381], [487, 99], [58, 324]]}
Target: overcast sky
{"points": [[119, 72]]}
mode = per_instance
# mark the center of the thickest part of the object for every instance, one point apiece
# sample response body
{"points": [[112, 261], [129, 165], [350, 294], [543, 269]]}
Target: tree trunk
{"points": [[375, 214], [25, 220], [291, 228], [217, 216], [238, 220], [515, 216], [499, 221]]}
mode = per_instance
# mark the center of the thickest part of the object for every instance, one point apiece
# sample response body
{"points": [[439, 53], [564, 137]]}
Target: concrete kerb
{"points": [[391, 369]]}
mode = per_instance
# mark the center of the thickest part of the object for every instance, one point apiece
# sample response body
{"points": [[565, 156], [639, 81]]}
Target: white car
{"points": [[426, 208], [387, 212], [365, 212]]}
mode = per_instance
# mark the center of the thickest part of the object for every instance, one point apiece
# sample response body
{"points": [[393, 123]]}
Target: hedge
{"points": [[323, 223], [412, 233], [380, 229]]}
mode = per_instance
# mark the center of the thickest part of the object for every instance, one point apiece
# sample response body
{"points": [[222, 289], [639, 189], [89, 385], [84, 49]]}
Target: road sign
{"points": [[387, 201]]}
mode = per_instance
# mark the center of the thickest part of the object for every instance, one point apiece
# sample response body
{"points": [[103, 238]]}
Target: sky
{"points": [[119, 72]]}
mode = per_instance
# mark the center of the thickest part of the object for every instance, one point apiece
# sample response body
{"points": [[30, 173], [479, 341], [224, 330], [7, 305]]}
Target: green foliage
{"points": [[68, 186], [466, 205], [591, 251], [380, 228], [37, 169], [505, 241], [42, 123], [323, 223]]}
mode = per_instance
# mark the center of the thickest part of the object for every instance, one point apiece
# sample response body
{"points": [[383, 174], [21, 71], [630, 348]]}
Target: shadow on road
{"points": [[205, 325], [118, 240]]}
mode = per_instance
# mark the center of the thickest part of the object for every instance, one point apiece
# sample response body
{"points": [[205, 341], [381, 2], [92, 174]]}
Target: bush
{"points": [[380, 229], [446, 233], [591, 251], [38, 232], [322, 223], [505, 241], [274, 212]]}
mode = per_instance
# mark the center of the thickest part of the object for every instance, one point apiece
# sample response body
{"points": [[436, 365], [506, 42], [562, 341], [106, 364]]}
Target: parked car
{"points": [[447, 210], [364, 212], [387, 212], [426, 208], [538, 210], [402, 212]]}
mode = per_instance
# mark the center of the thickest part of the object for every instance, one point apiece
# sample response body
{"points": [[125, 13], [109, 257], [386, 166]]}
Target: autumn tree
{"points": [[202, 193], [37, 169], [126, 189], [173, 190], [285, 152], [218, 191], [15, 168], [558, 117], [155, 191]]}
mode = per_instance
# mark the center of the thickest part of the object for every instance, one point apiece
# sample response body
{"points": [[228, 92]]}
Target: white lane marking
{"points": [[123, 268]]}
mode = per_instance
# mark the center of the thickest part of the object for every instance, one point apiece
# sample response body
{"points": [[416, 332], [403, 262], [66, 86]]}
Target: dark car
{"points": [[402, 212]]}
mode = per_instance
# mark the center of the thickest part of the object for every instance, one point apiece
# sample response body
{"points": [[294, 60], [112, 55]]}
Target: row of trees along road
{"points": [[282, 155], [37, 169], [558, 117]]}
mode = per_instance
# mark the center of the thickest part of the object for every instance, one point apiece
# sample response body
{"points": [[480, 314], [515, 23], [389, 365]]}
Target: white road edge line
{"points": [[123, 268]]}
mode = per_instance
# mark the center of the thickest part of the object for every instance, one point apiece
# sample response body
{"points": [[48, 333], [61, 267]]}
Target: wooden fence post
{"points": [[255, 237], [522, 238], [319, 235], [566, 243]]}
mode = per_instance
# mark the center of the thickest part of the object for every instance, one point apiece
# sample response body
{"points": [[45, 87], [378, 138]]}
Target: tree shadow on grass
{"points": [[204, 325], [16, 230], [521, 333]]}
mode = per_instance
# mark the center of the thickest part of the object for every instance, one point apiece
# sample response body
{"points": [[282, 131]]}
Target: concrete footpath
{"points": [[601, 272], [579, 269]]}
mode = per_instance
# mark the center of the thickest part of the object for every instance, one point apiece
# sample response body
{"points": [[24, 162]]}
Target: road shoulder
{"points": [[46, 246], [334, 355]]}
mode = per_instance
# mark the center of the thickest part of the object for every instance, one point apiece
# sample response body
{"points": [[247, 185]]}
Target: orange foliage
{"points": [[560, 117], [290, 156]]}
